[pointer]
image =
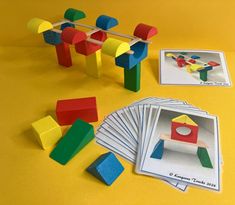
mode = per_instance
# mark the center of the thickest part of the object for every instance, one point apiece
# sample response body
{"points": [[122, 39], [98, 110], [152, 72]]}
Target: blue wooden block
{"points": [[195, 57], [106, 168], [106, 22], [52, 37], [206, 69], [65, 25], [129, 61], [158, 150]]}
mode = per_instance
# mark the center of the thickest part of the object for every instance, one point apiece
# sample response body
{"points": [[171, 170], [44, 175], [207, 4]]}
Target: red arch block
{"points": [[145, 31]]}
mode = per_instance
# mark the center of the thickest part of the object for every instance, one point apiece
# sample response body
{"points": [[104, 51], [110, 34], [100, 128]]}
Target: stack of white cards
{"points": [[135, 131]]}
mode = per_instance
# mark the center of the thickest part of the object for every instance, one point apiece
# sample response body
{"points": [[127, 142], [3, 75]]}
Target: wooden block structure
{"points": [[76, 138], [128, 55], [106, 168], [184, 131], [69, 110], [47, 131], [193, 64]]}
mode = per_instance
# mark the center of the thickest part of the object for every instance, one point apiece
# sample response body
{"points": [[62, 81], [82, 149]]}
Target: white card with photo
{"points": [[193, 67], [169, 156]]}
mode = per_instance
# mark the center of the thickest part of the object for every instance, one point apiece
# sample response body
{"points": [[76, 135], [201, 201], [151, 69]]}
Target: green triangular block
{"points": [[79, 135], [204, 157]]}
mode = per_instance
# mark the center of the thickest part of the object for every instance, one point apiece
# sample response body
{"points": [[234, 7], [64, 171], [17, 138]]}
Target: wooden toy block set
{"points": [[128, 55], [193, 64], [78, 113]]}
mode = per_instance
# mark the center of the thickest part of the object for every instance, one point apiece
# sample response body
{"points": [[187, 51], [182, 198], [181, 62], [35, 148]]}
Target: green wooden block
{"points": [[204, 157], [74, 14], [79, 135], [132, 78], [203, 75]]}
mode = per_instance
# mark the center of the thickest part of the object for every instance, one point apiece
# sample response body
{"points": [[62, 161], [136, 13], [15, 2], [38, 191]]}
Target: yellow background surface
{"points": [[31, 82]]}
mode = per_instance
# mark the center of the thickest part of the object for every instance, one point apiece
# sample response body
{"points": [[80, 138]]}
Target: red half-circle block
{"points": [[72, 36], [145, 31]]}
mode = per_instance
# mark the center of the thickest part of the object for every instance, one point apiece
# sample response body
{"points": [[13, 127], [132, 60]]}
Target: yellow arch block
{"points": [[37, 25], [170, 55], [115, 47]]}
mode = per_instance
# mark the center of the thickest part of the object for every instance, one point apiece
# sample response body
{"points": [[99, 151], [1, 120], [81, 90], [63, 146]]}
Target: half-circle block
{"points": [[145, 31], [52, 37], [87, 48], [37, 25], [115, 47], [65, 25], [106, 22], [72, 36], [74, 14], [129, 61]]}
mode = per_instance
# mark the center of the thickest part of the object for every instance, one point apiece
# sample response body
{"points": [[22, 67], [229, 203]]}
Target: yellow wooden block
{"points": [[170, 55], [188, 68], [47, 131], [196, 67], [37, 25], [93, 64], [184, 119], [115, 47]]}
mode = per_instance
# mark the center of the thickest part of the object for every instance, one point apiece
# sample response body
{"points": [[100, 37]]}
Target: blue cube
{"points": [[106, 168]]}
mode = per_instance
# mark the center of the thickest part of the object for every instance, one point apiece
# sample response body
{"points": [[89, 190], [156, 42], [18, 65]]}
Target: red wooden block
{"points": [[69, 110], [144, 31], [212, 63], [191, 137], [63, 54], [87, 48], [192, 61], [72, 36], [180, 62]]}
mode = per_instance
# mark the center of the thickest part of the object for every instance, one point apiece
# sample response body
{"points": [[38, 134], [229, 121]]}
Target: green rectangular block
{"points": [[203, 75], [132, 78], [79, 135]]}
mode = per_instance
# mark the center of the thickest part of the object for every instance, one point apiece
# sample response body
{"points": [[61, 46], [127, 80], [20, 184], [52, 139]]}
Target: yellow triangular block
{"points": [[184, 119]]}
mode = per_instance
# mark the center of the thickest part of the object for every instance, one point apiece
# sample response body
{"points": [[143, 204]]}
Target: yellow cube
{"points": [[47, 131]]}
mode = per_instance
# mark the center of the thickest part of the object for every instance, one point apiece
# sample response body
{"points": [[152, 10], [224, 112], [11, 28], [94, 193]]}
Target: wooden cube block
{"points": [[69, 110], [106, 168], [47, 131]]}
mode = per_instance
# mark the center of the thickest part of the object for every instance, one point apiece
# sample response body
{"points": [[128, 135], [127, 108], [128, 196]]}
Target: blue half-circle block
{"points": [[106, 22], [65, 25], [52, 37], [158, 150], [195, 57], [129, 61]]}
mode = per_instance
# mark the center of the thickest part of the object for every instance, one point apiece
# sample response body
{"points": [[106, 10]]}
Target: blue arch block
{"points": [[129, 61], [106, 22], [65, 25], [158, 150], [52, 37], [106, 168]]}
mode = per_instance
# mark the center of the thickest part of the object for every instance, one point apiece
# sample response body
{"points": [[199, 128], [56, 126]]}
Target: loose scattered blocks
{"points": [[47, 131], [106, 168], [76, 138], [69, 110]]}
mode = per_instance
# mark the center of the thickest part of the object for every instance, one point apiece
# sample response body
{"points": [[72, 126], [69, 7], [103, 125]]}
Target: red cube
{"points": [[69, 110]]}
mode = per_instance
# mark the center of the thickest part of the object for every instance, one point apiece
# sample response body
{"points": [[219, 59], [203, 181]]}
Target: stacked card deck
{"points": [[167, 139]]}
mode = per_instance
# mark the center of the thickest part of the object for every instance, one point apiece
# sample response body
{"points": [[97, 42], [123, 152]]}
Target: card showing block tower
{"points": [[184, 131]]}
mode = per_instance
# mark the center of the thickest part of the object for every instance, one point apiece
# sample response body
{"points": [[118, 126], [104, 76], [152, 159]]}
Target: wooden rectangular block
{"points": [[47, 131], [77, 137], [69, 110], [132, 78], [63, 54], [94, 64]]}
